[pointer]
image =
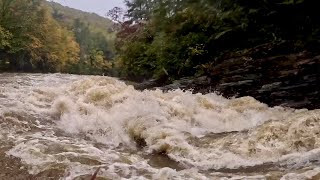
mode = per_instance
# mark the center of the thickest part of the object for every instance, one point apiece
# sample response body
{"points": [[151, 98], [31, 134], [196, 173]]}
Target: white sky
{"points": [[100, 7]]}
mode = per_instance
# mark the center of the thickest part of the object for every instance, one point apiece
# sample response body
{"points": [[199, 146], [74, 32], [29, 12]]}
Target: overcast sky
{"points": [[100, 7]]}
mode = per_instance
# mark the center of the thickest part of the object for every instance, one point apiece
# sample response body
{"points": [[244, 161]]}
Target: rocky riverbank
{"points": [[287, 80]]}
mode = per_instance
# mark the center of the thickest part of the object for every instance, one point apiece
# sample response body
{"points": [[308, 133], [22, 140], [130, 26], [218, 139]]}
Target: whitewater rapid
{"points": [[67, 126]]}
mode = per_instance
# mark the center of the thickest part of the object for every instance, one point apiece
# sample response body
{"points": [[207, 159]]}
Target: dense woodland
{"points": [[160, 39], [41, 36], [177, 38]]}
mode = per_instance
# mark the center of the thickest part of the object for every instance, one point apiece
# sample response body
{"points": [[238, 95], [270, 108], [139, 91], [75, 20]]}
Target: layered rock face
{"points": [[289, 80]]}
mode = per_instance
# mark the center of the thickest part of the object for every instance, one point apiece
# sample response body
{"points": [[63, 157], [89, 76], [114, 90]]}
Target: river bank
{"points": [[291, 80]]}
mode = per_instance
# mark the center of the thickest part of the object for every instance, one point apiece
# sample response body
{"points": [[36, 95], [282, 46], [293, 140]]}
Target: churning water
{"points": [[66, 126]]}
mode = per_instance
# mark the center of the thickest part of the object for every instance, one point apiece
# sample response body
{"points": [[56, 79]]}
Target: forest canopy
{"points": [[177, 38], [38, 36], [151, 39]]}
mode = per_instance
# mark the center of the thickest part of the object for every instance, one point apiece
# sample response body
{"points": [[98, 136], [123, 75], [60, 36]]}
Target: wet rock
{"points": [[291, 80], [144, 85], [196, 84], [278, 94], [269, 87], [238, 83], [296, 104]]}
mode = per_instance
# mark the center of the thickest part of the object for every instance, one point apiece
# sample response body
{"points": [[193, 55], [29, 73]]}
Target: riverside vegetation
{"points": [[155, 39], [41, 36], [174, 39], [267, 49]]}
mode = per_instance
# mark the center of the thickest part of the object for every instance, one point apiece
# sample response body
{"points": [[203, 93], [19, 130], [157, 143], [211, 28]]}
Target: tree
{"points": [[4, 38], [179, 37], [53, 47], [36, 40], [116, 14], [94, 49]]}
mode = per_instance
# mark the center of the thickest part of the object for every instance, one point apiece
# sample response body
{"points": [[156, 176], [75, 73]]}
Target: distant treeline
{"points": [[176, 38], [37, 36]]}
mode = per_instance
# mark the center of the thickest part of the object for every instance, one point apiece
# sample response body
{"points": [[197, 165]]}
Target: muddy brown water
{"points": [[56, 126]]}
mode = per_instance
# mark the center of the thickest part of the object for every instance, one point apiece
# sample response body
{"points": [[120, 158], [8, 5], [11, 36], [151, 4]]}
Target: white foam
{"points": [[311, 174], [112, 113], [180, 124]]}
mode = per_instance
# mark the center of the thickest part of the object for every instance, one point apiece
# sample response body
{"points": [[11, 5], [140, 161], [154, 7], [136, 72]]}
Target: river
{"points": [[57, 126]]}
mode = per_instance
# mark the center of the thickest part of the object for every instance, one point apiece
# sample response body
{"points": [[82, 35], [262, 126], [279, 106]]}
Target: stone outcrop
{"points": [[292, 80], [288, 80]]}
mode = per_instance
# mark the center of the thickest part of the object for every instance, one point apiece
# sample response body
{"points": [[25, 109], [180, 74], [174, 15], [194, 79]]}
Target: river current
{"points": [[65, 127]]}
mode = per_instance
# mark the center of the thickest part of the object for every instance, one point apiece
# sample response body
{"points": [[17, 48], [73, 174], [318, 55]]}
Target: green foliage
{"points": [[32, 40], [36, 37], [179, 37], [4, 38], [94, 50], [96, 24], [93, 33]]}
